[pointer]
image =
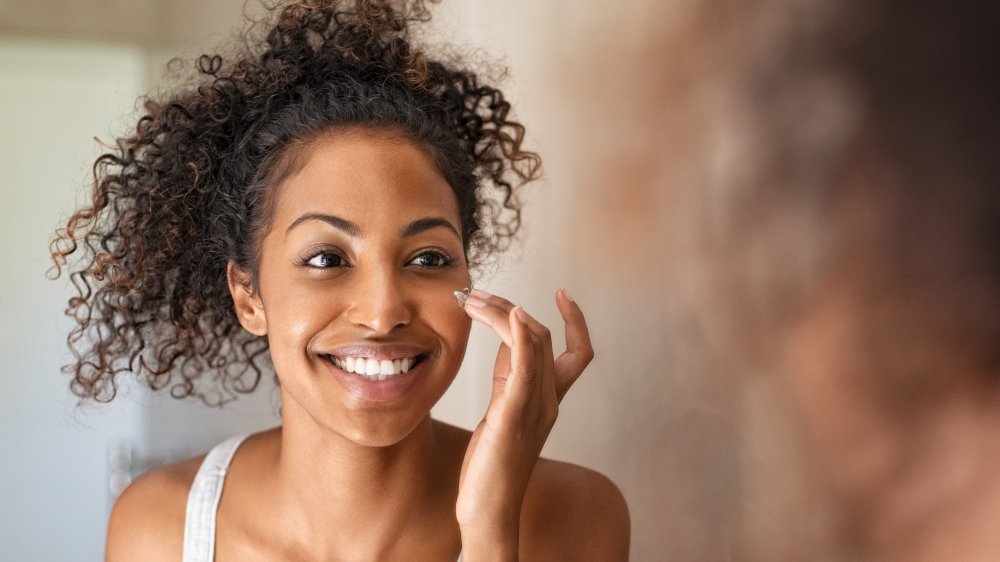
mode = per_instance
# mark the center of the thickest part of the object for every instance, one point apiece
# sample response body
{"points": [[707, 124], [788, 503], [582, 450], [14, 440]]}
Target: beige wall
{"points": [[605, 93], [147, 23]]}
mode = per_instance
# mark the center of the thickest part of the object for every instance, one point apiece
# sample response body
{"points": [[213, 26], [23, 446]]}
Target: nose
{"points": [[380, 302]]}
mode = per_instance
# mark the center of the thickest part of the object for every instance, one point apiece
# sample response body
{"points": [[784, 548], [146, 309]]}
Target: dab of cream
{"points": [[462, 296]]}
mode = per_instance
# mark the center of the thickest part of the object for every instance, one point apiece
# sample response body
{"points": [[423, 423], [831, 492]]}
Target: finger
{"points": [[492, 316], [492, 311], [579, 350], [501, 372], [542, 343], [522, 359], [492, 300], [482, 299]]}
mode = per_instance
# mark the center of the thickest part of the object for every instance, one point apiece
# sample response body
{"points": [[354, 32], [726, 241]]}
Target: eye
{"points": [[431, 260], [325, 260]]}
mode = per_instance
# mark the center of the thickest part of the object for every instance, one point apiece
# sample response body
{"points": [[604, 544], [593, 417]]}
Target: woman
{"points": [[323, 198]]}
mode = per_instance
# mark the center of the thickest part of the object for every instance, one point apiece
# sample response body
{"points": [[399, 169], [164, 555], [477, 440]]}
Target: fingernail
{"points": [[462, 298], [473, 300], [567, 295], [521, 314], [480, 294]]}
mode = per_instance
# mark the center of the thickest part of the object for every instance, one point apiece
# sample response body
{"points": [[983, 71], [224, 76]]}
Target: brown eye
{"points": [[430, 260], [325, 260]]}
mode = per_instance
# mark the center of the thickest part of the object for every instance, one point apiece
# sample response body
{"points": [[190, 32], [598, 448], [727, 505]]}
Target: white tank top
{"points": [[203, 501]]}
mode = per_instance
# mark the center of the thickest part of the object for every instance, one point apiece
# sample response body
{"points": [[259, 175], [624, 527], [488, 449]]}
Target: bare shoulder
{"points": [[569, 512], [573, 513], [147, 521]]}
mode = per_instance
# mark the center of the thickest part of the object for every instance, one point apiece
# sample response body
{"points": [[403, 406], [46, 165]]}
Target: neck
{"points": [[373, 494]]}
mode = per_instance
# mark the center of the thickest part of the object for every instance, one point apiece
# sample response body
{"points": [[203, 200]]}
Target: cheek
{"points": [[442, 314], [295, 316]]}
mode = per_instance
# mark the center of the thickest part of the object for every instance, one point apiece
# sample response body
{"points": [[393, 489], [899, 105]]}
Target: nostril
{"points": [[379, 316], [380, 326]]}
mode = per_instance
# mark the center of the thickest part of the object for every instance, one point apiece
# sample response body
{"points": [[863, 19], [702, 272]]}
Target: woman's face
{"points": [[356, 276]]}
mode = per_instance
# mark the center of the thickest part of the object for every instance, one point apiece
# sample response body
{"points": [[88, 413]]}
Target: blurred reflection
{"points": [[861, 267]]}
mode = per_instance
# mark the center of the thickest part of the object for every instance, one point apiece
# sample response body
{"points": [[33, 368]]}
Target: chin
{"points": [[364, 412], [380, 429]]}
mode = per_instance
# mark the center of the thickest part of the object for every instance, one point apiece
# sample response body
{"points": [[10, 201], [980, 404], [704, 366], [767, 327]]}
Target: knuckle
{"points": [[552, 405], [500, 301], [523, 372], [549, 419]]}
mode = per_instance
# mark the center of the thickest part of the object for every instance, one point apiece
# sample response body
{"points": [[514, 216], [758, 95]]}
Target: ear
{"points": [[249, 307]]}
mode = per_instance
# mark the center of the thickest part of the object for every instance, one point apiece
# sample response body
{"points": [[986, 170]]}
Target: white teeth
{"points": [[373, 369]]}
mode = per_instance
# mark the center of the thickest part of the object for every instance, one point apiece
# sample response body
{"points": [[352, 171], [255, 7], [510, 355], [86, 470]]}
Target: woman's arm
{"points": [[495, 498]]}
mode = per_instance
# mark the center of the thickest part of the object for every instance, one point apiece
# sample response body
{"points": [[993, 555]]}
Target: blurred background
{"points": [[789, 349]]}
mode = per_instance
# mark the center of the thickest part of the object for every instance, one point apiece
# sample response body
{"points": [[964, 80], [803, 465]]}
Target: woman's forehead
{"points": [[365, 176]]}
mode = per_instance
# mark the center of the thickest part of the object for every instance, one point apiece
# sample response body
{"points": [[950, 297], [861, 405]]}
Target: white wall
{"points": [[54, 490], [55, 470]]}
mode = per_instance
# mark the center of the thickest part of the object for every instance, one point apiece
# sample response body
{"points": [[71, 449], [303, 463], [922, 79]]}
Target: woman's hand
{"points": [[528, 383]]}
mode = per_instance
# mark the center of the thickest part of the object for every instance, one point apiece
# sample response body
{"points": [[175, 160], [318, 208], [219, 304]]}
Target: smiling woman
{"points": [[318, 200], [359, 266]]}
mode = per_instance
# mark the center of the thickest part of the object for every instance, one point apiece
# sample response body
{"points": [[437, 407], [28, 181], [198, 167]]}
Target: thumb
{"points": [[501, 370]]}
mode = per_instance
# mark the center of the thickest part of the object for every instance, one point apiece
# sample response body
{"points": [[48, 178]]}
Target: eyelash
{"points": [[446, 259]]}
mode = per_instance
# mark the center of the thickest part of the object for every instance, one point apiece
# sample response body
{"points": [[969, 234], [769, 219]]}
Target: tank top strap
{"points": [[203, 501]]}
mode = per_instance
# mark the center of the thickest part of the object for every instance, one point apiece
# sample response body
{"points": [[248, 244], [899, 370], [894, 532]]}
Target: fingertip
{"points": [[514, 319], [565, 299], [520, 313], [566, 305], [518, 321]]}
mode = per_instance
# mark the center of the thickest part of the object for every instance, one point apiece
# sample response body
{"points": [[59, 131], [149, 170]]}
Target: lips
{"points": [[376, 371]]}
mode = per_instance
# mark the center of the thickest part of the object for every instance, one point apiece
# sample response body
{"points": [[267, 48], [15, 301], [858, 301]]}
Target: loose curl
{"points": [[190, 190]]}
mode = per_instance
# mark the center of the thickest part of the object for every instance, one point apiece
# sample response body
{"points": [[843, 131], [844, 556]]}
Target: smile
{"points": [[374, 369]]}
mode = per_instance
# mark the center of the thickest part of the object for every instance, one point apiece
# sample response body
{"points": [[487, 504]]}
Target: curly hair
{"points": [[190, 190]]}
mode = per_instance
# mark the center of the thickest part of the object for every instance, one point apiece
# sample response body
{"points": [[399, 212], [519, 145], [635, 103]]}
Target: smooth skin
{"points": [[349, 477]]}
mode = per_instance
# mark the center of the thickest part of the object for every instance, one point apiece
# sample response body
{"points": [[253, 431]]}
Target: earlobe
{"points": [[249, 308]]}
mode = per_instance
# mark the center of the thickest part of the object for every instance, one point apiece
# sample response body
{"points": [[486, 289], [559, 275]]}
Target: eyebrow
{"points": [[421, 225], [352, 230], [344, 225]]}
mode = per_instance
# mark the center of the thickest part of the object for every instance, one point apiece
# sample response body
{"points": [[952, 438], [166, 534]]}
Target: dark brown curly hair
{"points": [[189, 191]]}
